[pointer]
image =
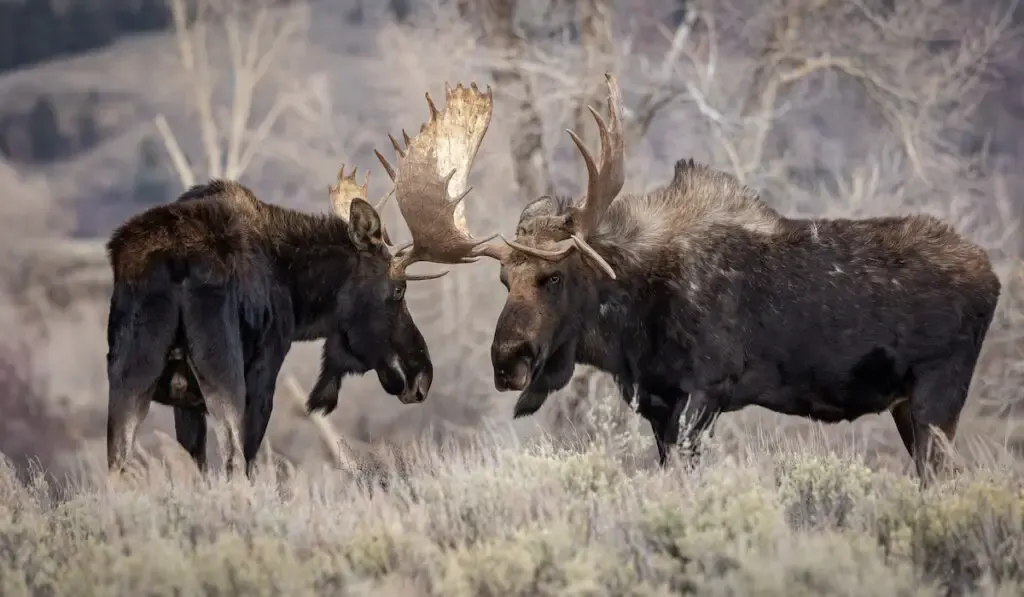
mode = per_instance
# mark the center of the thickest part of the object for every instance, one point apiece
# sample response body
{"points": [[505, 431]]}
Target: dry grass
{"points": [[496, 518]]}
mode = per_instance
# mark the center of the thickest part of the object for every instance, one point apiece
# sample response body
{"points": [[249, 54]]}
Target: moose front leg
{"points": [[691, 418], [658, 411]]}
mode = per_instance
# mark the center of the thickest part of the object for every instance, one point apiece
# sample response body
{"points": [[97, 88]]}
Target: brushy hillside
{"points": [[495, 518]]}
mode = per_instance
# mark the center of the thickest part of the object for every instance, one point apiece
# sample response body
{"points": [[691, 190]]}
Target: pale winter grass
{"points": [[497, 518]]}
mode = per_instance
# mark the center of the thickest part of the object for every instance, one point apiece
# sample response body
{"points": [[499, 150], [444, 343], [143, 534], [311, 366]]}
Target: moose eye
{"points": [[553, 280], [398, 293]]}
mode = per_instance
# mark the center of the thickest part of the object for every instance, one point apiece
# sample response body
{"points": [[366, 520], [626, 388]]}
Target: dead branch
{"points": [[594, 18], [529, 160], [255, 36], [921, 77], [331, 439]]}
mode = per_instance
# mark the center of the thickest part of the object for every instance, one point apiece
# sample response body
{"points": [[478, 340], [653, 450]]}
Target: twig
{"points": [[329, 436], [185, 174]]}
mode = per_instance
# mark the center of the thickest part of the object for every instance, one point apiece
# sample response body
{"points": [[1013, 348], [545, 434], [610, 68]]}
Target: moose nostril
{"points": [[422, 387]]}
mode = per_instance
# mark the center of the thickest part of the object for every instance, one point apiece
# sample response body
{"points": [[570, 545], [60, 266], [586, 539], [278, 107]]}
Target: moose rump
{"points": [[191, 295]]}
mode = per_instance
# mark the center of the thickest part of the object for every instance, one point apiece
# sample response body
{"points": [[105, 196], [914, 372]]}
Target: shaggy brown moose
{"points": [[211, 290], [701, 299]]}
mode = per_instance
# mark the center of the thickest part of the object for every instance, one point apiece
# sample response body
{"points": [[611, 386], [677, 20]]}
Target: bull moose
{"points": [[700, 299], [211, 290]]}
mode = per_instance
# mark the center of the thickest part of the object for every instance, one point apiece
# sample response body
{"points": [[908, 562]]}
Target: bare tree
{"points": [[921, 67], [255, 35], [536, 62], [497, 22]]}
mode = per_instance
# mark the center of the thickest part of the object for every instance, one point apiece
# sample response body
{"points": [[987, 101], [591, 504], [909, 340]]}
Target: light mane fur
{"points": [[641, 226]]}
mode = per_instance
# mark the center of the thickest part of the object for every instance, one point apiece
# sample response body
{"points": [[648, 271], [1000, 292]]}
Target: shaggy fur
{"points": [[720, 303], [211, 290]]}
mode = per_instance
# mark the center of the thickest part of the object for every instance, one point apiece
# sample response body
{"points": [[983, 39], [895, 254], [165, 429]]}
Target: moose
{"points": [[701, 299], [211, 290]]}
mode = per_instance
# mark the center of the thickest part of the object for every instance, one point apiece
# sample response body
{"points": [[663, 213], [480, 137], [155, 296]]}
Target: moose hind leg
{"points": [[138, 339], [128, 405], [261, 382], [215, 356], [190, 429]]}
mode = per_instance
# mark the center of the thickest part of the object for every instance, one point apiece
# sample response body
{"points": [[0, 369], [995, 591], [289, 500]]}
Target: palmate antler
{"points": [[346, 189], [604, 181], [432, 173], [431, 180]]}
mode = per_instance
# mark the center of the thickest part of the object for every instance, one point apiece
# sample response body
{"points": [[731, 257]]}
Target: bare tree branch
{"points": [[181, 166], [192, 51], [530, 165], [329, 436], [255, 35]]}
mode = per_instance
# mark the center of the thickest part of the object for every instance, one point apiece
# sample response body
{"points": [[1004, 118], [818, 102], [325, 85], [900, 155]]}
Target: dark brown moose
{"points": [[211, 290], [700, 299]]}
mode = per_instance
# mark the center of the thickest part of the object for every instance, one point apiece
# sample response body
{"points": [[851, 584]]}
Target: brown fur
{"points": [[720, 302], [211, 290], [213, 232]]}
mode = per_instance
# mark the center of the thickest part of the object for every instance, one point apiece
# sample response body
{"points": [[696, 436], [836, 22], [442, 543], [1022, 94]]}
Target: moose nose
{"points": [[513, 365], [421, 387], [417, 392]]}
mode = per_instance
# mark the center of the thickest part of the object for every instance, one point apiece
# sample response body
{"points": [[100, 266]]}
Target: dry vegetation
{"points": [[846, 108], [498, 518]]}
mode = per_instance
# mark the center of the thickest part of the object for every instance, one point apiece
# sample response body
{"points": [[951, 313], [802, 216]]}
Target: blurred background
{"points": [[840, 108]]}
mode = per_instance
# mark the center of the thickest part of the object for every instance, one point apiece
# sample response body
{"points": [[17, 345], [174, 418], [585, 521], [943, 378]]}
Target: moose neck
{"points": [[609, 321], [319, 260]]}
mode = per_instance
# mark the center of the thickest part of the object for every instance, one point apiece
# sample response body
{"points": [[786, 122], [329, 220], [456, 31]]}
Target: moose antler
{"points": [[604, 181], [346, 189], [431, 179]]}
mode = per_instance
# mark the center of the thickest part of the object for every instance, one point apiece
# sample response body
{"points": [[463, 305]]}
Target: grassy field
{"points": [[500, 518]]}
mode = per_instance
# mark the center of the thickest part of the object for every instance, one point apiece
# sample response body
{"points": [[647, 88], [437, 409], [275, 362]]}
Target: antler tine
{"points": [[604, 181], [431, 181], [346, 189], [384, 200]]}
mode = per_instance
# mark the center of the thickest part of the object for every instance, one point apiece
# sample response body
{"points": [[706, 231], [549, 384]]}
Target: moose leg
{"points": [[939, 394], [139, 331], [128, 406], [215, 356], [690, 419], [904, 419], [190, 428], [658, 413], [260, 383]]}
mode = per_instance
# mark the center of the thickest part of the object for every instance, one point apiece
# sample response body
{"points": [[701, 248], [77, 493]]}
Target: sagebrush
{"points": [[494, 518]]}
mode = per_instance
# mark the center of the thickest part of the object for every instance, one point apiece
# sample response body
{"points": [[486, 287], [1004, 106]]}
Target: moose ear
{"points": [[364, 227]]}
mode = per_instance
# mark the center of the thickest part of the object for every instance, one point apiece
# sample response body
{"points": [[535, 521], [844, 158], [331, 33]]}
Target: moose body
{"points": [[211, 290], [825, 319], [700, 299], [209, 294]]}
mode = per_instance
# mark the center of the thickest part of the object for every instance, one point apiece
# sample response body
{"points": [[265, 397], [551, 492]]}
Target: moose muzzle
{"points": [[514, 363]]}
